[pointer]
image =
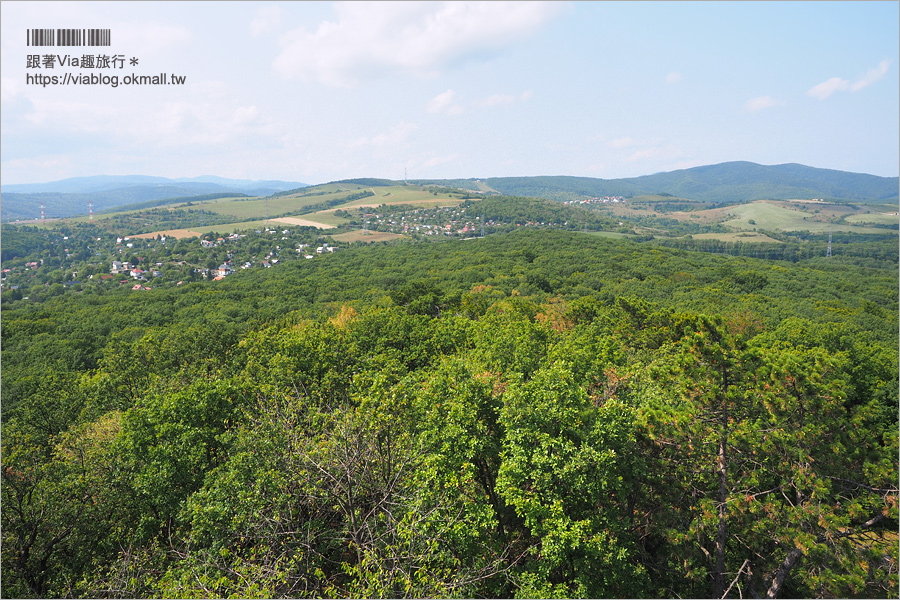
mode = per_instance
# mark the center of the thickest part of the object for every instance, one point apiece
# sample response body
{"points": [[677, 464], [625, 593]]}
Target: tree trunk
{"points": [[722, 532], [721, 464], [794, 555]]}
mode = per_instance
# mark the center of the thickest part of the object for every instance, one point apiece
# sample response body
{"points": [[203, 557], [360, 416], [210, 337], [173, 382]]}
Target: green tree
{"points": [[756, 443], [166, 446], [58, 514], [567, 469]]}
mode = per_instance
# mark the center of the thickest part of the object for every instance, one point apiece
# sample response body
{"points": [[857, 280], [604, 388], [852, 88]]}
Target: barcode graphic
{"points": [[67, 37]]}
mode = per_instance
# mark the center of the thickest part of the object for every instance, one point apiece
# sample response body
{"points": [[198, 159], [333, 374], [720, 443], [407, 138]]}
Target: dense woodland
{"points": [[540, 413]]}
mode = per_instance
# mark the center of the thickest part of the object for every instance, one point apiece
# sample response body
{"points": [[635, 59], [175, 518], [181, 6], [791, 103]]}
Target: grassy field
{"points": [[743, 236], [367, 236], [303, 222], [423, 202], [224, 229], [329, 188], [213, 206], [259, 207], [175, 233], [773, 215], [250, 212], [611, 234], [243, 208], [325, 218], [399, 194], [879, 218], [744, 219], [658, 198], [260, 224], [785, 217]]}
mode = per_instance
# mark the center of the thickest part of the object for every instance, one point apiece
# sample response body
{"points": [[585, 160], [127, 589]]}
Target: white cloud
{"points": [[440, 160], [151, 38], [397, 134], [621, 142], [643, 154], [164, 125], [371, 38], [667, 152], [10, 89], [673, 77], [181, 123], [68, 116], [267, 20], [836, 84], [827, 88], [871, 76], [500, 99], [36, 167], [761, 103], [444, 103]]}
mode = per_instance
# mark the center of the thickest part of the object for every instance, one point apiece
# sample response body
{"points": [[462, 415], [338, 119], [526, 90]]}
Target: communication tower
{"points": [[91, 211], [42, 213]]}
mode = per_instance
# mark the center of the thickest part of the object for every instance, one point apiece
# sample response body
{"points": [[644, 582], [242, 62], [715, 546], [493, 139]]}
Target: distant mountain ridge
{"points": [[728, 183], [70, 197]]}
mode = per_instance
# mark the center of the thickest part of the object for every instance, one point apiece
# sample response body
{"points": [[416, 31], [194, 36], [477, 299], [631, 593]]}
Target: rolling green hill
{"points": [[725, 183], [729, 183]]}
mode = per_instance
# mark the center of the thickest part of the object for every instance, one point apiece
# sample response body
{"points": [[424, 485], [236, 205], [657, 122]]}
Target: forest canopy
{"points": [[541, 413]]}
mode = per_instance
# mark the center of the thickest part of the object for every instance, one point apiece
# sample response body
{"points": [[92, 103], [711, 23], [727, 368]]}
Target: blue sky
{"points": [[315, 92]]}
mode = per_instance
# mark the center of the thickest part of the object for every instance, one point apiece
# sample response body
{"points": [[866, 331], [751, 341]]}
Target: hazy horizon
{"points": [[198, 178], [314, 91]]}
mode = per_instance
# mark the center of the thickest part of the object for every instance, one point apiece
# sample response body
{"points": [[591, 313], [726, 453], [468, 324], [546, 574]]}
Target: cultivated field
{"points": [[611, 234], [367, 236], [279, 206], [175, 233], [243, 208], [743, 236], [787, 217], [877, 218], [303, 222]]}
